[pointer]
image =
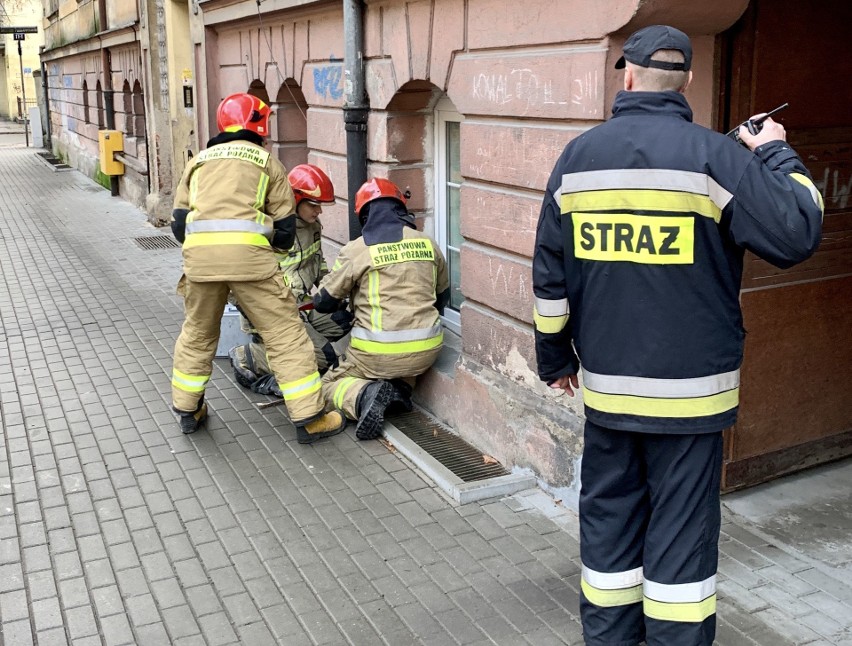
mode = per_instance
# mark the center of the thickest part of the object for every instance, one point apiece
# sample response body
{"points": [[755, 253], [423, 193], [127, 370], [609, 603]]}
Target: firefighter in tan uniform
{"points": [[302, 268], [233, 208], [397, 282]]}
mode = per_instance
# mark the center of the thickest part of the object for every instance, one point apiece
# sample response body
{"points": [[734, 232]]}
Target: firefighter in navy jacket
{"points": [[640, 241]]}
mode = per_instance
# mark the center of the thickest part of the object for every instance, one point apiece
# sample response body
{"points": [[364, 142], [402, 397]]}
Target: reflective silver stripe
{"points": [[812, 189], [547, 307], [666, 388], [613, 580], [204, 226], [654, 179], [680, 592], [390, 336]]}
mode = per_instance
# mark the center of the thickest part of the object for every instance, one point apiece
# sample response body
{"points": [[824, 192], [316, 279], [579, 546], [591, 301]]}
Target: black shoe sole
{"points": [[303, 437], [373, 417]]}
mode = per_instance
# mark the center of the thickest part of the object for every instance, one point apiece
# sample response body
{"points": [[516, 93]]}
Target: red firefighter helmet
{"points": [[375, 188], [243, 112], [310, 183]]}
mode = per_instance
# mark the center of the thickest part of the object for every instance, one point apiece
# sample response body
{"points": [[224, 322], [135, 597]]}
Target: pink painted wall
{"points": [[527, 78]]}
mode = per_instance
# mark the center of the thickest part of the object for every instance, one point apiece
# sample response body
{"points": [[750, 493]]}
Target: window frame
{"points": [[445, 112]]}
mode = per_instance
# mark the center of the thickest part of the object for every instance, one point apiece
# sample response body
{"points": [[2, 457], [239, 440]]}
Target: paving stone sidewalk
{"points": [[117, 530]]}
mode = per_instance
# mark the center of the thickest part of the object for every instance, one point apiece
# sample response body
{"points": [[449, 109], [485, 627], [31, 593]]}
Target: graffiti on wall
{"points": [[528, 90], [327, 81]]}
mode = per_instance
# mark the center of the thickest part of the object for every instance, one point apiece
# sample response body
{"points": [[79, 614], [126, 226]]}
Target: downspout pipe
{"points": [[109, 93], [355, 107]]}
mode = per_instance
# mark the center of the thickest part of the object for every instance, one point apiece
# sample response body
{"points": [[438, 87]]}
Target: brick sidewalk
{"points": [[116, 529]]}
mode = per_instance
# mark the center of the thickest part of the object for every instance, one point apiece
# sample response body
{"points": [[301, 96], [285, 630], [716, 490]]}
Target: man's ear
{"points": [[628, 78], [688, 81]]}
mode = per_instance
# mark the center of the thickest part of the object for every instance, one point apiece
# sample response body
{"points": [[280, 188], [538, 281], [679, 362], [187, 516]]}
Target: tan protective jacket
{"points": [[234, 192], [304, 266], [392, 287]]}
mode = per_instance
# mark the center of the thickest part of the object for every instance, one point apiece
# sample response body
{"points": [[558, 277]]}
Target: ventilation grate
{"points": [[459, 457], [158, 242]]}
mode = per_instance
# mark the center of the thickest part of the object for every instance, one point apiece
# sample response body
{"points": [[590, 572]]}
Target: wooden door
{"points": [[796, 395]]}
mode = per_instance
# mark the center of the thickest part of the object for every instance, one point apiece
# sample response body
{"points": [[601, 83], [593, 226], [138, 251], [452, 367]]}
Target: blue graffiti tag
{"points": [[327, 81]]}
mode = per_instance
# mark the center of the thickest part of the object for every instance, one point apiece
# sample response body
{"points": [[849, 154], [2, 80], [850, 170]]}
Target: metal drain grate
{"points": [[157, 242], [463, 460]]}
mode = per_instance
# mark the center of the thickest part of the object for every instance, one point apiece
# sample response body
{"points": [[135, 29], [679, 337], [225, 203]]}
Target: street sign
{"points": [[18, 30], [20, 36]]}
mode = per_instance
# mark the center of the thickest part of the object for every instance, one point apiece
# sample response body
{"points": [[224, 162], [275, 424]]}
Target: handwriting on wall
{"points": [[835, 188], [327, 81], [527, 90]]}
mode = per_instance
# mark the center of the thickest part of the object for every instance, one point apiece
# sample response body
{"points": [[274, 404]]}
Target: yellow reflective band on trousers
{"points": [[375, 301], [211, 238], [340, 391], [611, 598], [403, 347], [189, 383], [305, 386], [685, 602], [812, 189], [662, 406], [640, 200], [625, 237], [692, 612]]}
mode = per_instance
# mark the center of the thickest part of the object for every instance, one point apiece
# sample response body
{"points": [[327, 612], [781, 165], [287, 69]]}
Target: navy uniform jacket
{"points": [[640, 240]]}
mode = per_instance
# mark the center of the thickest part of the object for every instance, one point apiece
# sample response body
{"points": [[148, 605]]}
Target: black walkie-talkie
{"points": [[754, 125]]}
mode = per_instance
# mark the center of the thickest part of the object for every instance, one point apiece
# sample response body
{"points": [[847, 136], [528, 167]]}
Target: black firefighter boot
{"points": [[370, 405], [191, 422]]}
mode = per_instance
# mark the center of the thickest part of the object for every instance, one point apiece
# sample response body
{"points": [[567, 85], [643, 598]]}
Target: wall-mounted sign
{"points": [[18, 30]]}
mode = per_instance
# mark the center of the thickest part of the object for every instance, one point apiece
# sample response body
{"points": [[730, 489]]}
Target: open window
{"points": [[448, 180]]}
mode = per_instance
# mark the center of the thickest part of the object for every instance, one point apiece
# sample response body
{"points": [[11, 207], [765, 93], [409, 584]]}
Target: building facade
{"points": [[470, 103], [115, 64], [18, 93]]}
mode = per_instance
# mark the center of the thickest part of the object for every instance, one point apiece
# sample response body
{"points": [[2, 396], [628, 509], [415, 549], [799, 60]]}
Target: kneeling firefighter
{"points": [[233, 208], [398, 282], [302, 268]]}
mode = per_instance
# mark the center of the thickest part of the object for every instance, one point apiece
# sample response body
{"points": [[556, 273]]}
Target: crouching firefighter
{"points": [[302, 269], [233, 208], [398, 282]]}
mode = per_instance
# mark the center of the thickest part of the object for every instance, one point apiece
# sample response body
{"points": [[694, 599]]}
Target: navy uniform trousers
{"points": [[649, 533]]}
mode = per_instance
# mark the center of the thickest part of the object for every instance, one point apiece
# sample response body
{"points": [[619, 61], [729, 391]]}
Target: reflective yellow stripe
{"points": [[262, 185], [611, 598], [659, 179], [662, 407], [378, 347], [300, 388], [693, 612], [640, 200], [189, 383], [549, 324], [340, 391], [297, 257], [193, 190], [225, 237], [375, 301], [808, 184], [337, 264]]}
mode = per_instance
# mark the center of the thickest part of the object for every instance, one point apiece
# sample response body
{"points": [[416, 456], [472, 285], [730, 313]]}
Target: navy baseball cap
{"points": [[642, 44]]}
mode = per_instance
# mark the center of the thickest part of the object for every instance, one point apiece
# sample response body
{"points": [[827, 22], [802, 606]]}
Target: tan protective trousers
{"points": [[327, 337], [342, 385], [272, 309]]}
